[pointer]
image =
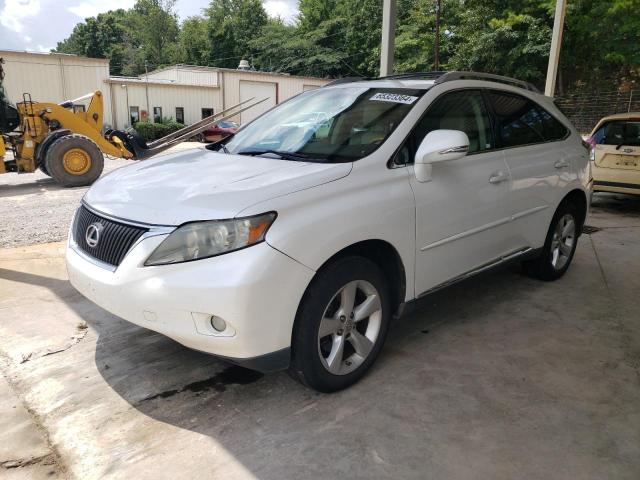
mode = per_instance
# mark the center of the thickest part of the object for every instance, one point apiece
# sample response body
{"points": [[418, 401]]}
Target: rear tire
{"points": [[559, 246], [341, 325], [74, 161]]}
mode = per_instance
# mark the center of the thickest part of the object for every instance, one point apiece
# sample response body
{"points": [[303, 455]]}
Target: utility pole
{"points": [[556, 43], [388, 37], [436, 60], [146, 86]]}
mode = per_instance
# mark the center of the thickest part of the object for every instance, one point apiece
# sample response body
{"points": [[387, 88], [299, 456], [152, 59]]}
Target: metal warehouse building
{"points": [[185, 93], [189, 93]]}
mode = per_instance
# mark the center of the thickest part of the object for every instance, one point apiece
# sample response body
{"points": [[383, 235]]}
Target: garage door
{"points": [[259, 90]]}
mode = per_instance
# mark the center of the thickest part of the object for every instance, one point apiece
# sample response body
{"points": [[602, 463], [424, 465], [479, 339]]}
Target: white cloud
{"points": [[91, 8], [286, 10], [15, 11]]}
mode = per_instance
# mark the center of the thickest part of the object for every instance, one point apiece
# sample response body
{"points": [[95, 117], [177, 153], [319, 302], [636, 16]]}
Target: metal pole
{"points": [[388, 37], [554, 52], [126, 90], [630, 98], [436, 60], [146, 87]]}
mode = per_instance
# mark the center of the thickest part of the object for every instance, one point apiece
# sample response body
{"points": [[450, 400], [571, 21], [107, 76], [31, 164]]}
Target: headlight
{"points": [[193, 241]]}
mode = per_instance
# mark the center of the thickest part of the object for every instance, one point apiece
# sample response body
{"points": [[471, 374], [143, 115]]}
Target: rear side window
{"points": [[619, 132], [520, 121]]}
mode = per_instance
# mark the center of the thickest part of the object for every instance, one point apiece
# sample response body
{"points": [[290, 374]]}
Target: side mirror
{"points": [[439, 146]]}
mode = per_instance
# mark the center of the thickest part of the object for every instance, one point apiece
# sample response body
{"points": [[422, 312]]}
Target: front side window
{"points": [[619, 132], [328, 124], [463, 110]]}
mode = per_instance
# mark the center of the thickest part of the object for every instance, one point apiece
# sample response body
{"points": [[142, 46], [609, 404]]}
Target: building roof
{"points": [[52, 54], [182, 66]]}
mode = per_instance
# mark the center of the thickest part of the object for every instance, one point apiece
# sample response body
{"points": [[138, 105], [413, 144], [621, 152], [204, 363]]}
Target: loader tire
{"points": [[74, 161]]}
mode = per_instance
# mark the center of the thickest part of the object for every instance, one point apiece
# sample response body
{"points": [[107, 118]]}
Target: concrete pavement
{"points": [[499, 377]]}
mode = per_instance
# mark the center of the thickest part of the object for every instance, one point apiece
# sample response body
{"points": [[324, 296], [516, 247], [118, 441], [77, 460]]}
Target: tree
{"points": [[193, 42], [157, 29], [99, 37], [231, 26]]}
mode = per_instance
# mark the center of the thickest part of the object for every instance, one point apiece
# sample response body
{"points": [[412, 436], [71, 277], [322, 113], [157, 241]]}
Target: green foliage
{"points": [[152, 131], [231, 26], [601, 45]]}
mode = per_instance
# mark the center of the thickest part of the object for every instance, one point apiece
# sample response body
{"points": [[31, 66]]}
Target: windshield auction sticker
{"points": [[393, 98]]}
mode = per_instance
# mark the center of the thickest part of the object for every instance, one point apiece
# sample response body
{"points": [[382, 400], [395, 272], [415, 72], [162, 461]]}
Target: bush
{"points": [[153, 131]]}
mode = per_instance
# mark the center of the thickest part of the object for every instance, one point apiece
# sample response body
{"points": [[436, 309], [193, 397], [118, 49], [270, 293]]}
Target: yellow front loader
{"points": [[67, 142]]}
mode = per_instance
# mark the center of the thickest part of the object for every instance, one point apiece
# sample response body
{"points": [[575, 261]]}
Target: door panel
{"points": [[462, 220], [539, 164], [462, 217]]}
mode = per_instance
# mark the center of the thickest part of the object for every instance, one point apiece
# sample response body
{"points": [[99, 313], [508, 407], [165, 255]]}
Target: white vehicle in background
{"points": [[281, 251]]}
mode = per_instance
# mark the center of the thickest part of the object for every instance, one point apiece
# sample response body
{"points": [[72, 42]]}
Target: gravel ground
{"points": [[35, 209]]}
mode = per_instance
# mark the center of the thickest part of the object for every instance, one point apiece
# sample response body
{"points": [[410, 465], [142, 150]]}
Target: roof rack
{"points": [[451, 76], [414, 75], [338, 81], [442, 77]]}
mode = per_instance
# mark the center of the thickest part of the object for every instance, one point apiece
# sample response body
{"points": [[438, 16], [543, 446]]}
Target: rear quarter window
{"points": [[521, 121]]}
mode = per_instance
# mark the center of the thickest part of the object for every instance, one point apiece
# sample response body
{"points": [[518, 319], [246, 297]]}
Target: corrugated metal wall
{"points": [[167, 96], [54, 77]]}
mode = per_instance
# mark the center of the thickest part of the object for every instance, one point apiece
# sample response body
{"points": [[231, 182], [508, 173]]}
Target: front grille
{"points": [[114, 238]]}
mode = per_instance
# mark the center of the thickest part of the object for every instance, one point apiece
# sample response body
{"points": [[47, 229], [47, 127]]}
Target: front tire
{"points": [[341, 325], [74, 161], [559, 246]]}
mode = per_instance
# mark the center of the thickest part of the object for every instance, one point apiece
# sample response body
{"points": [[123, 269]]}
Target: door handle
{"points": [[561, 164], [498, 177]]}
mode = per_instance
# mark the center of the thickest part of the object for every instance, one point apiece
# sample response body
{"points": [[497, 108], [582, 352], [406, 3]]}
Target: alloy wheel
{"points": [[563, 241], [349, 327]]}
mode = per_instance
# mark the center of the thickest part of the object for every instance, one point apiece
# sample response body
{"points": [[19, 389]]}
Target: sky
{"points": [[38, 25]]}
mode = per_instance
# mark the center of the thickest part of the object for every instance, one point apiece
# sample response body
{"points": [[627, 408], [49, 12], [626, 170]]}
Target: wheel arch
{"points": [[387, 257], [579, 199]]}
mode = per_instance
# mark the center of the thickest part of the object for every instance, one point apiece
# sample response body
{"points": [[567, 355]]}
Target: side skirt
{"points": [[501, 262]]}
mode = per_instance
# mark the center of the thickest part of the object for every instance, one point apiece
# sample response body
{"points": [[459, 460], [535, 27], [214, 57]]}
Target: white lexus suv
{"points": [[293, 245]]}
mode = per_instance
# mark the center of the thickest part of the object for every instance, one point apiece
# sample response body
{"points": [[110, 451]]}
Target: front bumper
{"points": [[256, 291]]}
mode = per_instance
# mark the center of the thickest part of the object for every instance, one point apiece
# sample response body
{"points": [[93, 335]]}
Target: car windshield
{"points": [[619, 132], [227, 124], [327, 125]]}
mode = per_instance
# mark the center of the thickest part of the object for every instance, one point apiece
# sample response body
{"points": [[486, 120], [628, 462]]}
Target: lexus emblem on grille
{"points": [[92, 235]]}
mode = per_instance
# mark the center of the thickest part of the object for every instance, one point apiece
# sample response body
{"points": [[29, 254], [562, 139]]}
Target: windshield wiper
{"points": [[285, 155]]}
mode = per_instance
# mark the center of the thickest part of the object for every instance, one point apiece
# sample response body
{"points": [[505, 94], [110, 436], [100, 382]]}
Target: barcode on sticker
{"points": [[394, 98]]}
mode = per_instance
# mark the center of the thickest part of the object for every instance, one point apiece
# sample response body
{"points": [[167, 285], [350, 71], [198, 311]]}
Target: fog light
{"points": [[218, 324]]}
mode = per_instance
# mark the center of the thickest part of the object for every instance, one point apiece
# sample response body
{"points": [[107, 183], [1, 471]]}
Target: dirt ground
{"points": [[35, 209]]}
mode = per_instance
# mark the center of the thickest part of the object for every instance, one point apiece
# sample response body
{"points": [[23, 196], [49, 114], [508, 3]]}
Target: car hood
{"points": [[202, 185]]}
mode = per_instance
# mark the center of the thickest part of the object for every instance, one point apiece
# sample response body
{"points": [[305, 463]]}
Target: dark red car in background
{"points": [[218, 131]]}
